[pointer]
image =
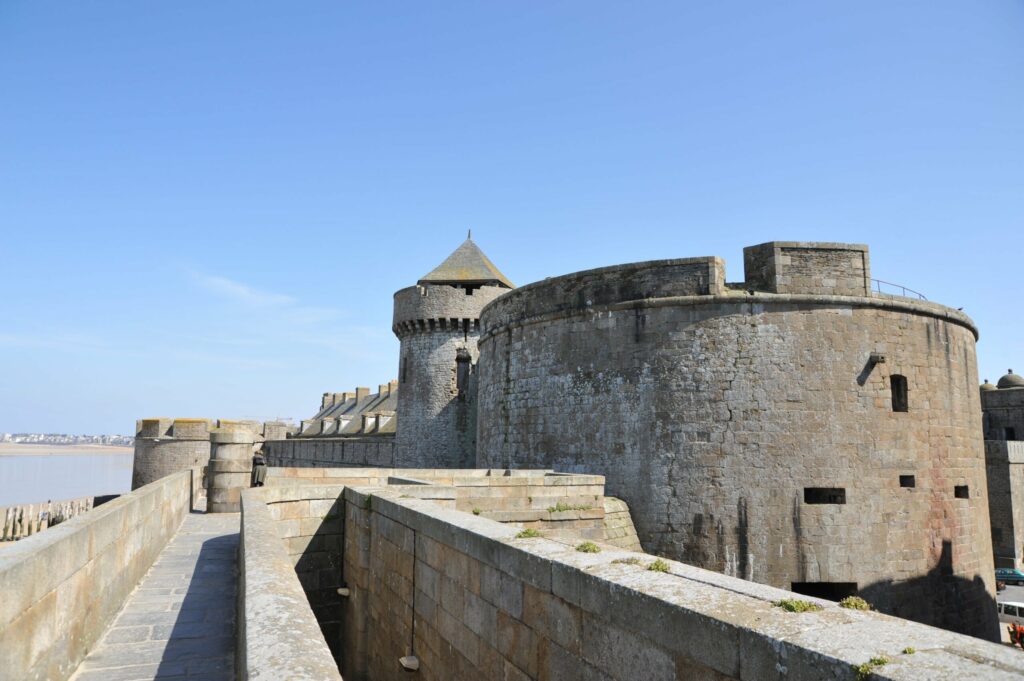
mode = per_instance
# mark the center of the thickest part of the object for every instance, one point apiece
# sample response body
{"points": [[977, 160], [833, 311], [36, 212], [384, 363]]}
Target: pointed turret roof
{"points": [[467, 266]]}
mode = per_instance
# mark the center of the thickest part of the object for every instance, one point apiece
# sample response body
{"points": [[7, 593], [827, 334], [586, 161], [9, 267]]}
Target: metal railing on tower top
{"points": [[904, 291]]}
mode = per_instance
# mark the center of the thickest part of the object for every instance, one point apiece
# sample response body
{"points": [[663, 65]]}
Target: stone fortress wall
{"points": [[438, 326], [796, 429], [1003, 409], [417, 584], [164, 446]]}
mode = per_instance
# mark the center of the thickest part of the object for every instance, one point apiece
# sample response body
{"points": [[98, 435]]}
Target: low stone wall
{"points": [[63, 587], [472, 601], [562, 504], [278, 633], [331, 452]]}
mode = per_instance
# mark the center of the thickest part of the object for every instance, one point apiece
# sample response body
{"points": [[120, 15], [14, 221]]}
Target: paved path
{"points": [[180, 622]]}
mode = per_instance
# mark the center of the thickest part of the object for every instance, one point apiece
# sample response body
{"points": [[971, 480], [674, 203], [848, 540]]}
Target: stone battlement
{"points": [[464, 597], [440, 308]]}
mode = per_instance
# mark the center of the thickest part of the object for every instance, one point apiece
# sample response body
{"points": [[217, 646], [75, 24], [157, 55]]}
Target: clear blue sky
{"points": [[205, 207]]}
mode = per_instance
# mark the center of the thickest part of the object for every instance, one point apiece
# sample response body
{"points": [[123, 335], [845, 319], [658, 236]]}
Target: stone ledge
{"points": [[279, 637]]}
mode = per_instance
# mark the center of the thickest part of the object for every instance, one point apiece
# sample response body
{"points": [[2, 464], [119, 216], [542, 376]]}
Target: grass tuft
{"points": [[854, 603], [658, 566], [796, 605], [866, 670], [588, 547], [528, 533], [562, 506]]}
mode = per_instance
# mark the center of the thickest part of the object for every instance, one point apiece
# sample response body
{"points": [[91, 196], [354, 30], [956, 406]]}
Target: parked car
{"points": [[1009, 575]]}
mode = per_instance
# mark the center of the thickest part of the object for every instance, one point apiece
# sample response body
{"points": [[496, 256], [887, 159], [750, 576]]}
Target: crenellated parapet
{"points": [[429, 308]]}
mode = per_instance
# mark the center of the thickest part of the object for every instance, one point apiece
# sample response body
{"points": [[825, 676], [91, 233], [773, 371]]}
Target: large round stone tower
{"points": [[797, 429], [438, 322]]}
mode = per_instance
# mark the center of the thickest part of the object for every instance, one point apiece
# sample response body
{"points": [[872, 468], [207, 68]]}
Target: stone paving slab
{"points": [[179, 623]]}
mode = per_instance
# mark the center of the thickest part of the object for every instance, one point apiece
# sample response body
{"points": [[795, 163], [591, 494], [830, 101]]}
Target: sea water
{"points": [[58, 477]]}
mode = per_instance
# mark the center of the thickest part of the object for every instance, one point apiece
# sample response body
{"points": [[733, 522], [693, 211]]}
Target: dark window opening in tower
{"points": [[962, 492], [830, 591], [898, 385], [907, 481], [405, 369], [1011, 433], [824, 495], [463, 366]]}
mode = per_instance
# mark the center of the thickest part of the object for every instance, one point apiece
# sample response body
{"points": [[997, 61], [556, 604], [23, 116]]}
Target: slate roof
{"points": [[467, 266]]}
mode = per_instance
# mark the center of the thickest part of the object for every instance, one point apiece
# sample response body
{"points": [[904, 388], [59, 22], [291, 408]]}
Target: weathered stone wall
{"points": [[165, 446], [1004, 409], [717, 418], [436, 409], [560, 504], [331, 452], [1004, 464], [63, 587], [278, 633], [472, 601], [801, 267], [309, 524]]}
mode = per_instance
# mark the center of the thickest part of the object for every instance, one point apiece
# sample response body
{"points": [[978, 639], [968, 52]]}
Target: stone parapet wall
{"points": [[435, 303], [571, 505], [593, 289], [278, 633], [330, 452], [805, 267], [63, 587], [469, 599]]}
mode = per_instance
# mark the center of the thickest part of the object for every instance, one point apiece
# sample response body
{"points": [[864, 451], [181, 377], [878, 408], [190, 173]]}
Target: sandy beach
{"points": [[18, 449]]}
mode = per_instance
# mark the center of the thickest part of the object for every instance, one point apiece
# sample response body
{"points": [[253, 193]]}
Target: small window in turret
{"points": [[898, 384], [1011, 434], [961, 492]]}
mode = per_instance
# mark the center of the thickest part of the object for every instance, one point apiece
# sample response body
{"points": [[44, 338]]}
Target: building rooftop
{"points": [[467, 266]]}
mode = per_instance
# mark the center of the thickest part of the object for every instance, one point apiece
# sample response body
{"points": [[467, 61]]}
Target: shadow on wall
{"points": [[201, 640], [320, 570], [939, 598]]}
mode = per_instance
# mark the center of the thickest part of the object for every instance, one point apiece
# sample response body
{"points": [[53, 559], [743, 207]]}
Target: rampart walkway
{"points": [[179, 623]]}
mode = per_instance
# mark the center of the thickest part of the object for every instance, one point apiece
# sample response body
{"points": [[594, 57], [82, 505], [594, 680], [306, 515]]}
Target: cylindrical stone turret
{"points": [[798, 429], [230, 469], [438, 322], [164, 446]]}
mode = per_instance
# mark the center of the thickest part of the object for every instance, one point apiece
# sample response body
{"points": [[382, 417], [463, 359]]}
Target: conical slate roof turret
{"points": [[467, 266]]}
